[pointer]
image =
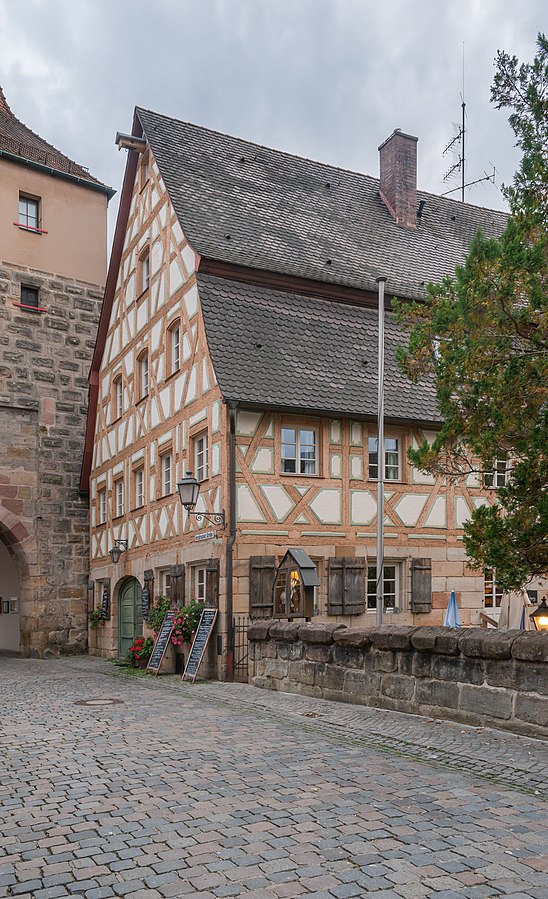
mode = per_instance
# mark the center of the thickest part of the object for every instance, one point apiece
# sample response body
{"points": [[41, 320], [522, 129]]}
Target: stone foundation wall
{"points": [[44, 366], [490, 678]]}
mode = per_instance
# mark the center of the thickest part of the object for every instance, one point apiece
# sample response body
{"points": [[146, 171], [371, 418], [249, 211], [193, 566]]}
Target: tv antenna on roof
{"points": [[456, 147]]}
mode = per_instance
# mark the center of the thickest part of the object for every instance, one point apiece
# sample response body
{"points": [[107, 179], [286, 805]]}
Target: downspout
{"points": [[232, 407]]}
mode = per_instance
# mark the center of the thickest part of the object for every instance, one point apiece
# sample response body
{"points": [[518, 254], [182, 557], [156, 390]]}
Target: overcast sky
{"points": [[328, 79]]}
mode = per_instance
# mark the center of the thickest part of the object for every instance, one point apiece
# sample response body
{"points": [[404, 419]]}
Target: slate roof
{"points": [[272, 348], [243, 203], [18, 140]]}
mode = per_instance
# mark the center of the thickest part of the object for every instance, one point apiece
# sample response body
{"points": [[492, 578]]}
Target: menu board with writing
{"points": [[162, 641], [198, 648]]}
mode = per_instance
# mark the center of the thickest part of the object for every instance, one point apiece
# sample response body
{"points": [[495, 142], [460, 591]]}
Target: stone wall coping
{"points": [[259, 630], [319, 631], [357, 637], [531, 647], [471, 642], [476, 643], [285, 631]]}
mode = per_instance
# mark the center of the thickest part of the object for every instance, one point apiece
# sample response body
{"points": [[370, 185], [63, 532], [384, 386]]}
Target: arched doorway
{"points": [[10, 597], [130, 615]]}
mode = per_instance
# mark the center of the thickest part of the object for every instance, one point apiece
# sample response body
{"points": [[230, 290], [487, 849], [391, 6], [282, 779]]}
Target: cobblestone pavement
{"points": [[215, 790]]}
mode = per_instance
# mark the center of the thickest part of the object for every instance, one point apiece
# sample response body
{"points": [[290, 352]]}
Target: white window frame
{"points": [[145, 271], [300, 463], [164, 582], [139, 487], [392, 572], [498, 477], [199, 582], [143, 376], [490, 590], [26, 217], [166, 461], [175, 338], [102, 496], [392, 471], [201, 456], [119, 494], [118, 397]]}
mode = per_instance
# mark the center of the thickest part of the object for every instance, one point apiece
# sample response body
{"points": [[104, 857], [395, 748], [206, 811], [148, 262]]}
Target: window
{"points": [[390, 587], [139, 487], [497, 477], [29, 211], [299, 451], [201, 457], [144, 266], [391, 459], [199, 584], [119, 497], [492, 594], [29, 297], [164, 582], [175, 348], [102, 506], [118, 398], [145, 173], [143, 376], [166, 474]]}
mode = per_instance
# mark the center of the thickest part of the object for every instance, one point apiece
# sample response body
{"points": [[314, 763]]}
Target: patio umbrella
{"points": [[514, 612], [452, 617]]}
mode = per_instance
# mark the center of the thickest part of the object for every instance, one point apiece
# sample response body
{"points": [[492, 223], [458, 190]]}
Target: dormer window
{"points": [[29, 212]]}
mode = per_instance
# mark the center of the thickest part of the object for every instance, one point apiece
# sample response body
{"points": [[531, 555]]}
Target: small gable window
{"points": [[29, 211], [143, 376], [144, 271], [174, 347]]}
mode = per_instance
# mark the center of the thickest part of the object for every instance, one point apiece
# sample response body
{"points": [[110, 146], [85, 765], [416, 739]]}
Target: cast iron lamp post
{"points": [[189, 491], [540, 616], [119, 547]]}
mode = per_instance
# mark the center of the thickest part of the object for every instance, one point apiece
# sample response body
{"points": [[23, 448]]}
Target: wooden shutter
{"points": [[212, 583], [346, 589], [262, 571], [177, 585], [421, 586], [148, 586]]}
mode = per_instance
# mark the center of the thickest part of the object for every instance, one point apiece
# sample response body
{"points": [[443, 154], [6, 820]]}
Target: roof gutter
{"points": [[336, 413], [57, 173]]}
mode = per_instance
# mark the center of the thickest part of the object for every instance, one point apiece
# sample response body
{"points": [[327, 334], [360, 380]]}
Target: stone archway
{"points": [[18, 592]]}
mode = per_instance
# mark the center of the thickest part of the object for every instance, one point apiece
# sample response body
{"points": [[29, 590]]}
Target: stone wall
{"points": [[44, 365], [478, 677]]}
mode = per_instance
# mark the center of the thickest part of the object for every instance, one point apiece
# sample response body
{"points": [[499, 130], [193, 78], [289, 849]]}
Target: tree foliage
{"points": [[483, 337]]}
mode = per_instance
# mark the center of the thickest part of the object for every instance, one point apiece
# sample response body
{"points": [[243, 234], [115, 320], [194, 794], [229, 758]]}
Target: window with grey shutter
{"points": [[346, 590], [421, 586], [177, 585], [262, 570]]}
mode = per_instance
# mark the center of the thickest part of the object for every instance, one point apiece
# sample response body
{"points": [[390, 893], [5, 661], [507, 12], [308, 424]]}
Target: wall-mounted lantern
{"points": [[189, 491], [540, 616], [294, 583], [120, 546]]}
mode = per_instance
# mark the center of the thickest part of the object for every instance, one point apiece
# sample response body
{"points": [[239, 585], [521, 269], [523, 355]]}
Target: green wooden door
{"points": [[130, 615]]}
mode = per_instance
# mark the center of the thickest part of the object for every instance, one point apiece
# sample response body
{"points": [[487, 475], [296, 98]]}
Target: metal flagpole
{"points": [[380, 460]]}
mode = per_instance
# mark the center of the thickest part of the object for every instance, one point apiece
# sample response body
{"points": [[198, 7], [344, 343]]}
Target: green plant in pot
{"points": [[140, 651], [96, 617]]}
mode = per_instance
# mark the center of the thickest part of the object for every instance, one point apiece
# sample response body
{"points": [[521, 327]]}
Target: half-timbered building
{"points": [[238, 340]]}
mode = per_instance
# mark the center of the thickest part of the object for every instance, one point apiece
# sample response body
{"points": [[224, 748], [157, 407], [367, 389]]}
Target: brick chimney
{"points": [[398, 165]]}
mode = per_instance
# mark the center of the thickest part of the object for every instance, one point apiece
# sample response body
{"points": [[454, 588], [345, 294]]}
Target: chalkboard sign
{"points": [[145, 602], [198, 647], [162, 641], [105, 603]]}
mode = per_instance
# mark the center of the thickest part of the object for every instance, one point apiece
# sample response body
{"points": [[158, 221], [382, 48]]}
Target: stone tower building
{"points": [[53, 221]]}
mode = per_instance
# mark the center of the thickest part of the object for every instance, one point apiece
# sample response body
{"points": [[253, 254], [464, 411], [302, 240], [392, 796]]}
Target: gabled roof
{"points": [[18, 141], [283, 350], [250, 205]]}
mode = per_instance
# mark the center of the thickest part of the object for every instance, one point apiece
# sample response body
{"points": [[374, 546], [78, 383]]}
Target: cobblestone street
{"points": [[214, 790]]}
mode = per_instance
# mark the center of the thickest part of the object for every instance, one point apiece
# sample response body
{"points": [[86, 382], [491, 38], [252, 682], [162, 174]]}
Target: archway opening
{"points": [[10, 598]]}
